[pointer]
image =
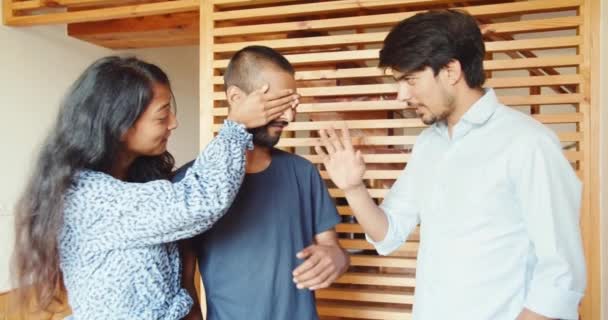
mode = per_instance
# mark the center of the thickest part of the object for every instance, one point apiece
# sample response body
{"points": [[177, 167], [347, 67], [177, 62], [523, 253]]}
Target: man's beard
{"points": [[262, 137], [432, 117]]}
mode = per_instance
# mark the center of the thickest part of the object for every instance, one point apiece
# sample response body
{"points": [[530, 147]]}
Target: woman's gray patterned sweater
{"points": [[116, 252]]}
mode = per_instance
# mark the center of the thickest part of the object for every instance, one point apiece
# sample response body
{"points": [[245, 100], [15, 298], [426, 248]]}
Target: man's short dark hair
{"points": [[246, 64], [434, 38]]}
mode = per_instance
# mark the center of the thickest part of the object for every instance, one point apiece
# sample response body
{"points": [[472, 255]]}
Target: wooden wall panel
{"points": [[537, 54]]}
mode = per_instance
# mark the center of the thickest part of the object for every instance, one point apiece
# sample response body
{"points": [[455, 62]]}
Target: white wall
{"points": [[37, 66]]}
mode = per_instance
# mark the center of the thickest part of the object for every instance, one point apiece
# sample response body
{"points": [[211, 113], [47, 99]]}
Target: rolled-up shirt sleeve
{"points": [[401, 214], [550, 197]]}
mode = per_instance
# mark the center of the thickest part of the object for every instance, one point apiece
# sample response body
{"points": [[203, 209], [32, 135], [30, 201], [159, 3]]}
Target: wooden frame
{"points": [[334, 49], [25, 13]]}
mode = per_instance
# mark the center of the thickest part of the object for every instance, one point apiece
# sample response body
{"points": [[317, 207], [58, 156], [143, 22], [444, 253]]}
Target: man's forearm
{"points": [[371, 218], [530, 315]]}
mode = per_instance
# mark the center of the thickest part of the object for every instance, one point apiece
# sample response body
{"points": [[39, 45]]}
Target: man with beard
{"points": [[496, 200], [277, 243]]}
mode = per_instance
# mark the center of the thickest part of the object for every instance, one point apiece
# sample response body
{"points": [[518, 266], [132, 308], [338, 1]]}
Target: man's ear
{"points": [[454, 72], [234, 95]]}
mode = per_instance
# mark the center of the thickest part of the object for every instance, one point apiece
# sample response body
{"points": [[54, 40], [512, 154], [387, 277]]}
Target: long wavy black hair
{"points": [[103, 103]]}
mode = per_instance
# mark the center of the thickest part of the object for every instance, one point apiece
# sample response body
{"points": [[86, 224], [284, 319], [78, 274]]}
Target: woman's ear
{"points": [[234, 95]]}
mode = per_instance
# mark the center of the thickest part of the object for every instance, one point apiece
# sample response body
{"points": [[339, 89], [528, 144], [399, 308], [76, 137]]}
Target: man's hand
{"points": [[260, 107], [344, 166], [323, 264]]}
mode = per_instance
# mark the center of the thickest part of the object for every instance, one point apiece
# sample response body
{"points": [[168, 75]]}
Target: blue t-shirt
{"points": [[246, 259]]}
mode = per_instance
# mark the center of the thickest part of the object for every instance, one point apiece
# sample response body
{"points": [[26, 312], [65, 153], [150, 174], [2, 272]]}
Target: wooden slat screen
{"points": [[536, 61]]}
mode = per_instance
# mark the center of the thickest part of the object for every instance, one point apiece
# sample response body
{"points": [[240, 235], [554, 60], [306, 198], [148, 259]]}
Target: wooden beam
{"points": [[175, 29], [591, 307], [102, 14], [7, 11], [205, 90], [41, 4], [176, 22]]}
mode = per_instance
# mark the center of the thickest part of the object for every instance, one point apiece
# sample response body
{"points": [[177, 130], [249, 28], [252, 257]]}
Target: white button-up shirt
{"points": [[498, 207]]}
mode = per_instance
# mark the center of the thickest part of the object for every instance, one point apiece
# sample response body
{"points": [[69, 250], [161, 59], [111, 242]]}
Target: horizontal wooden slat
{"points": [[378, 37], [232, 3], [336, 91], [360, 244], [371, 54], [377, 279], [356, 228], [573, 155], [369, 158], [128, 11], [558, 118], [41, 4], [334, 40], [561, 61], [382, 261], [373, 174], [338, 106], [389, 19], [374, 193], [520, 82], [570, 136], [403, 123], [391, 88], [352, 124], [137, 42], [368, 140], [571, 98], [313, 8], [367, 295], [349, 228], [529, 63], [319, 57], [536, 25], [396, 105], [344, 210], [363, 312]]}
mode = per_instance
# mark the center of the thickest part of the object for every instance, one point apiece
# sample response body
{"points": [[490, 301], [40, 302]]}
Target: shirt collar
{"points": [[482, 109], [478, 113]]}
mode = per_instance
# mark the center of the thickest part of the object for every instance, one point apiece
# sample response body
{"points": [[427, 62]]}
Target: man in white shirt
{"points": [[497, 202]]}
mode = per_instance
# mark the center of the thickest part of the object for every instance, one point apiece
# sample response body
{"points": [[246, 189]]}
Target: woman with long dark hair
{"points": [[96, 222]]}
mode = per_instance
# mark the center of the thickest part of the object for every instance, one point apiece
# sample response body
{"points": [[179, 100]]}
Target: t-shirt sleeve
{"points": [[325, 213]]}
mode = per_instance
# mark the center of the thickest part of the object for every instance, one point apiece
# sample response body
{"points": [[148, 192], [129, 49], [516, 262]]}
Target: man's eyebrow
{"points": [[402, 76]]}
